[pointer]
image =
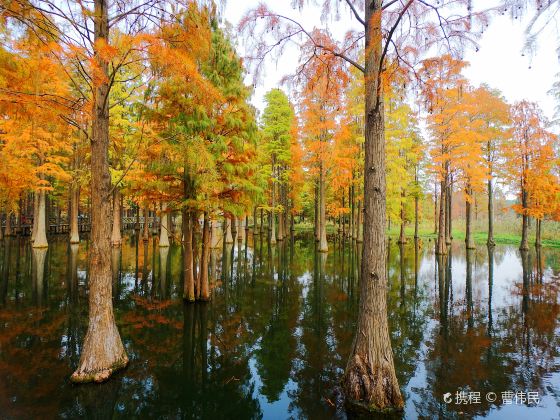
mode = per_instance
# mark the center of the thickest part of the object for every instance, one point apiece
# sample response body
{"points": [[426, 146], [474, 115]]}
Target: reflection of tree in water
{"points": [[481, 349], [276, 349], [407, 317], [317, 365]]}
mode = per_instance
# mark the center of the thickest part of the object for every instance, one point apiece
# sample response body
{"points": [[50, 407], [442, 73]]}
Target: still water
{"points": [[274, 340]]}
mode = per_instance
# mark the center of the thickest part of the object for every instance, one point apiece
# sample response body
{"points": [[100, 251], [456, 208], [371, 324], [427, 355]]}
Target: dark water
{"points": [[275, 338]]}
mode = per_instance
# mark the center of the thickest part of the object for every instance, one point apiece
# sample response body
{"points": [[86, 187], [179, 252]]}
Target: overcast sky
{"points": [[498, 63]]}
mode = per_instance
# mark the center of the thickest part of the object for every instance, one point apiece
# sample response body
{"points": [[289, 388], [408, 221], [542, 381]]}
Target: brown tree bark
{"points": [[525, 226], [146, 231], [442, 230], [204, 294], [163, 233], [116, 237], [538, 235], [402, 236], [370, 380], [74, 211], [8, 228], [323, 245], [188, 289], [40, 240], [469, 241], [102, 351], [490, 241]]}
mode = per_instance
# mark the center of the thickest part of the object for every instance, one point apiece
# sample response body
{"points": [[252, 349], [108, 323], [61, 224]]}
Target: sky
{"points": [[498, 63]]}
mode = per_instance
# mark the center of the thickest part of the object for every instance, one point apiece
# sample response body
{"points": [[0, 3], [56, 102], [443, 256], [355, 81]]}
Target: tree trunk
{"points": [[369, 380], [41, 222], [188, 289], [435, 208], [74, 212], [402, 236], [195, 231], [203, 274], [416, 216], [228, 235], [240, 230], [35, 217], [442, 231], [524, 229], [469, 241], [323, 245], [490, 241], [146, 232], [360, 233], [449, 210], [102, 351], [538, 242], [316, 216], [116, 237], [8, 231], [163, 226]]}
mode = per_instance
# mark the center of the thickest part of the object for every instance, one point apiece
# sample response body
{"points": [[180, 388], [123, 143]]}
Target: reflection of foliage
{"points": [[280, 326]]}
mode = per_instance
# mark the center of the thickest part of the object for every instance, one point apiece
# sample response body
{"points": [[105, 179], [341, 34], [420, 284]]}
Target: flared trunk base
{"points": [[100, 375], [370, 389]]}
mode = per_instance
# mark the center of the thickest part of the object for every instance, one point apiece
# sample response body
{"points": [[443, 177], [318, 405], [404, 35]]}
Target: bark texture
{"points": [[490, 241], [370, 380], [74, 211], [204, 293], [41, 221], [116, 237], [102, 351], [188, 289], [163, 235]]}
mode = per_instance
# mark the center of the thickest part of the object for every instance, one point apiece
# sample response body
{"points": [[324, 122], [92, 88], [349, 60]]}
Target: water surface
{"points": [[274, 340]]}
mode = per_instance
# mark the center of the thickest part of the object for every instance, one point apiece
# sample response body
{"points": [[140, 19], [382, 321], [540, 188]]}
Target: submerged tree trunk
{"points": [[538, 241], [441, 241], [402, 236], [449, 221], [188, 289], [74, 212], [204, 259], [323, 245], [469, 241], [490, 241], [525, 227], [146, 231], [370, 380], [228, 236], [41, 222], [116, 237], [163, 226], [8, 231], [102, 351], [316, 215], [35, 217]]}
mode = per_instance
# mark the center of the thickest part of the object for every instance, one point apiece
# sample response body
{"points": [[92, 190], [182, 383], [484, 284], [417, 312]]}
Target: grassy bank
{"points": [[500, 237]]}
